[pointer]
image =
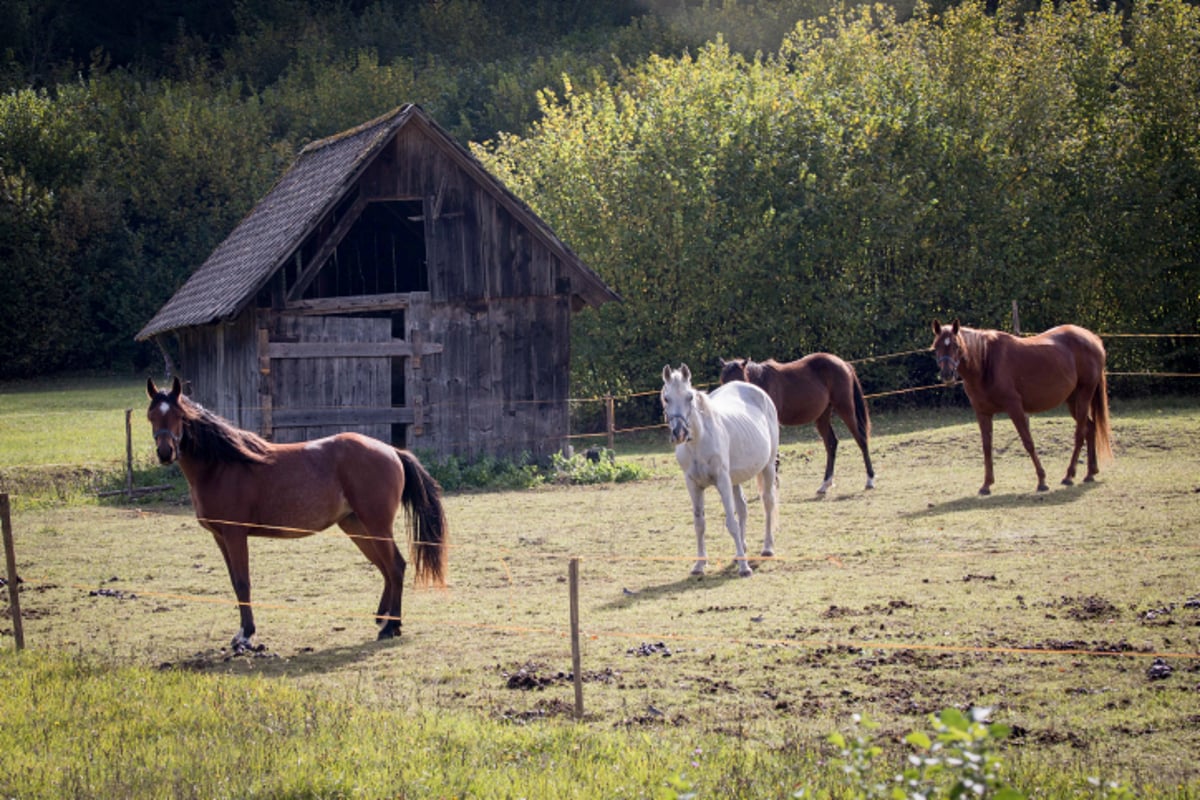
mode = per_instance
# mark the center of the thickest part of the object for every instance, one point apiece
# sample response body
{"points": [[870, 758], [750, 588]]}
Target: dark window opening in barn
{"points": [[382, 253]]}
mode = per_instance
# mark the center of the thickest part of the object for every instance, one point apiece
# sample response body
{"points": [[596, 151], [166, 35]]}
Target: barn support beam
{"points": [[265, 403]]}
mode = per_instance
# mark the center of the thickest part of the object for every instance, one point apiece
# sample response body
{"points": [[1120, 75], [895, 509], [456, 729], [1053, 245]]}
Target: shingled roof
{"points": [[319, 177]]}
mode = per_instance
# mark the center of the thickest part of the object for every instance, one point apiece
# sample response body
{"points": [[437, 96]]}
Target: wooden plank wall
{"points": [[304, 389], [220, 361], [500, 385]]}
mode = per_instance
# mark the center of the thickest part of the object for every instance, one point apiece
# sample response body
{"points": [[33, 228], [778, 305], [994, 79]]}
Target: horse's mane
{"points": [[208, 437], [701, 401], [753, 370], [975, 346]]}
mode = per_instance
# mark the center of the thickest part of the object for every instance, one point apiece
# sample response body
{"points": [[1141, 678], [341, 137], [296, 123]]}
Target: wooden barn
{"points": [[387, 284]]}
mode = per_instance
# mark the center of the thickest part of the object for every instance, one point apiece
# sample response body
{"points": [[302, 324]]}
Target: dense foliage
{"points": [[754, 179], [874, 174]]}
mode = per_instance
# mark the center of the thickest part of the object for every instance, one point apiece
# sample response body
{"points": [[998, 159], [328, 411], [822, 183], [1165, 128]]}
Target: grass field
{"points": [[1073, 614]]}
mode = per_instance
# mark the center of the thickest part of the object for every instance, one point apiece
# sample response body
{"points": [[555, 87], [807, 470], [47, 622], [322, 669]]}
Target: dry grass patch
{"points": [[896, 602]]}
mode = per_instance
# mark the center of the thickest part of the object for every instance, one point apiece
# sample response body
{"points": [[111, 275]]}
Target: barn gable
{"points": [[388, 284]]}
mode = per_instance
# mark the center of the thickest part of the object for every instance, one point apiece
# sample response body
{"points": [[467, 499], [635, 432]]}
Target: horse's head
{"points": [[734, 370], [678, 401], [166, 419], [949, 349]]}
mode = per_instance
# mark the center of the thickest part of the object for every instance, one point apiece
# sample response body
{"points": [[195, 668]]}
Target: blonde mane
{"points": [[975, 346]]}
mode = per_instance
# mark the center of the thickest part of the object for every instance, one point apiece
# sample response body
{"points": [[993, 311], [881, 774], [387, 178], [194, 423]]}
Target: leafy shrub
{"points": [[604, 468], [455, 473]]}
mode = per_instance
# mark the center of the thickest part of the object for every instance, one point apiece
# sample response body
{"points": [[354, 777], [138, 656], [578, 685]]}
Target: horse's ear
{"points": [[685, 372], [667, 374], [954, 326], [151, 389], [176, 389], [937, 326]]}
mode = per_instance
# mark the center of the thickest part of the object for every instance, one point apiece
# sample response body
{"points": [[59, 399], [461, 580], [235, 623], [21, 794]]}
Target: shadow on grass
{"points": [[690, 584], [262, 660], [1057, 496]]}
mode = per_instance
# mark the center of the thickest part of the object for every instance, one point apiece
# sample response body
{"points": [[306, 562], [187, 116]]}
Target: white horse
{"points": [[724, 439]]}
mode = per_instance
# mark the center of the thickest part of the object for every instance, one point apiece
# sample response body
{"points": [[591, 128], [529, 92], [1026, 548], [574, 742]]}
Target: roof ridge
{"points": [[357, 129]]}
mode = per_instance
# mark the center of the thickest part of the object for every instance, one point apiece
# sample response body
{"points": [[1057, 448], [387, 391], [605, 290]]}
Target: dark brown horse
{"points": [[811, 390], [1004, 374], [243, 485]]}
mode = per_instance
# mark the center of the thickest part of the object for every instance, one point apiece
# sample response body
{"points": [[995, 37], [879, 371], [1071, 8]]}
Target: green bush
{"points": [[455, 473]]}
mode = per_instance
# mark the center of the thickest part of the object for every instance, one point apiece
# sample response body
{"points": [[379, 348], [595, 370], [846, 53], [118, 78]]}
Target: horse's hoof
{"points": [[985, 491], [1043, 487], [1069, 482], [745, 573], [767, 554], [1090, 479], [388, 633], [870, 483]]}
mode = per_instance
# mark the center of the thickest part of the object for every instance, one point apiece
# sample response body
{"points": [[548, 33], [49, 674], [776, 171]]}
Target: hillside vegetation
{"points": [[755, 178]]}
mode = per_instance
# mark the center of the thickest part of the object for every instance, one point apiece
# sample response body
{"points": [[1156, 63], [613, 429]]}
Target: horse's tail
{"points": [[422, 499], [1104, 451], [861, 415]]}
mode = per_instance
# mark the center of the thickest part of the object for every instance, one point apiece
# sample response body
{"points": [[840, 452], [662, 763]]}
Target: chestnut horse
{"points": [[243, 485], [1006, 374], [808, 390]]}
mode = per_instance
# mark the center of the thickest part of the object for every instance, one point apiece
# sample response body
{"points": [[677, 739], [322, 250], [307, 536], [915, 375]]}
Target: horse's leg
{"points": [[825, 429], [853, 411], [740, 508], [380, 549], [1020, 421], [1093, 459], [231, 541], [985, 433], [697, 494], [767, 486], [1079, 410], [726, 488]]}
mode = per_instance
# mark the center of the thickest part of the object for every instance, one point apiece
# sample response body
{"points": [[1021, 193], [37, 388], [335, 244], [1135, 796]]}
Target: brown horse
{"points": [[243, 485], [1006, 374], [811, 390]]}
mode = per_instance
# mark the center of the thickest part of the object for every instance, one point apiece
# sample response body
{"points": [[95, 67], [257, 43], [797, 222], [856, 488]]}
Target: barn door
{"points": [[330, 374]]}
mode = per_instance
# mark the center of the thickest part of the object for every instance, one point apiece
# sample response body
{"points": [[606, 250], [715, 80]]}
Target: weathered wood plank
{"points": [[341, 417], [352, 304], [395, 348]]}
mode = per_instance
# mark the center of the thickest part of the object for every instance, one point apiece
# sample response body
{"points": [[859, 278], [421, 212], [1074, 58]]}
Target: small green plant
{"points": [[960, 758], [604, 468]]}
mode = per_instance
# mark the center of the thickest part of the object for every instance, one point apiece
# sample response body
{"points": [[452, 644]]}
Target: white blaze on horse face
{"points": [[946, 341], [677, 397], [164, 407]]}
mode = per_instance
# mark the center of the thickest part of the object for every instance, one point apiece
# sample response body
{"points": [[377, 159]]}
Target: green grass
{"points": [[898, 602], [69, 422]]}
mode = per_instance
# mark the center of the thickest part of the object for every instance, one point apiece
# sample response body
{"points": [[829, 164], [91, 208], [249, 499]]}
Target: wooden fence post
{"points": [[576, 657], [609, 419], [129, 453], [10, 558], [1016, 320]]}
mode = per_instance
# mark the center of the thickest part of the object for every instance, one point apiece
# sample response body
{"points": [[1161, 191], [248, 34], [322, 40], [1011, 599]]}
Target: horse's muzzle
{"points": [[166, 446], [679, 430], [948, 369]]}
